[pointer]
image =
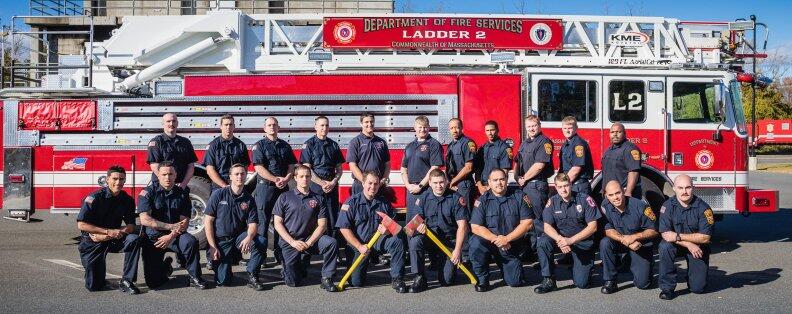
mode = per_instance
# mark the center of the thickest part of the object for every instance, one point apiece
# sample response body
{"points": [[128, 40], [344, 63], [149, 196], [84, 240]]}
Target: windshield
{"points": [[737, 106]]}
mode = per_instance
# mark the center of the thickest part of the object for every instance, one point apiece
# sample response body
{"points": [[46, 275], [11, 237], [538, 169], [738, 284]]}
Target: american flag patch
{"points": [[345, 207], [76, 163], [152, 144], [143, 193], [89, 199]]}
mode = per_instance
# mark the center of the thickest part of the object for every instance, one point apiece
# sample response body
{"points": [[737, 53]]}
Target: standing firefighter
{"points": [[175, 149], [622, 162], [575, 159], [494, 154], [421, 156], [460, 156]]}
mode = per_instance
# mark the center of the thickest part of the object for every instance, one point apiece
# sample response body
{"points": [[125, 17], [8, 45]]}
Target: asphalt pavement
{"points": [[750, 272]]}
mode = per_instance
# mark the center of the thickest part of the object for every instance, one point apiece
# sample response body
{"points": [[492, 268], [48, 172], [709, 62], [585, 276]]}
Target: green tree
{"points": [[769, 103]]}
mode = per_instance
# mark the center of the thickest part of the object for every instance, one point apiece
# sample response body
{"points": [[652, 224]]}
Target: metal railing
{"points": [[192, 7]]}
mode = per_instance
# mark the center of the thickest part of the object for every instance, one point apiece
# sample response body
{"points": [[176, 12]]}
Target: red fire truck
{"points": [[670, 82]]}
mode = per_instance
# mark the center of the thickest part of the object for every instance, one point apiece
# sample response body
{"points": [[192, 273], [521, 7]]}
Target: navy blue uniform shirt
{"points": [[576, 153], [637, 217], [419, 156], [232, 212], [222, 154], [696, 218], [491, 156], [178, 150], [501, 214], [539, 149], [300, 212], [323, 156], [619, 160], [459, 152], [104, 210], [276, 156], [570, 218], [360, 215], [162, 205], [369, 153], [441, 213]]}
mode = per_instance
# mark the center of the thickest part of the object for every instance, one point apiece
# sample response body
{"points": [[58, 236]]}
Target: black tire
{"points": [[200, 190], [652, 194]]}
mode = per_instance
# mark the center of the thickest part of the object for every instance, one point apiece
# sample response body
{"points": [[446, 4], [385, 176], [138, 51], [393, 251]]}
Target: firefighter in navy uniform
{"points": [[445, 213], [368, 152], [575, 159], [622, 162], [274, 161], [686, 225], [99, 222], [165, 211], [358, 221], [301, 220], [631, 227], [570, 220], [534, 165], [460, 156], [224, 151], [170, 147], [500, 220], [421, 156], [323, 156], [494, 154], [231, 225]]}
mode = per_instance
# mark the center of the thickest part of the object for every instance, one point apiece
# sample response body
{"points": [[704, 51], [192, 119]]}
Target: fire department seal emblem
{"points": [[541, 34], [312, 203], [704, 159], [423, 148], [579, 208], [243, 206], [344, 33]]}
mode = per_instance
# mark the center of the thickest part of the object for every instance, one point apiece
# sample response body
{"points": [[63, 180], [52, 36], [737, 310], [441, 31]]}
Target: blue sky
{"points": [[774, 13]]}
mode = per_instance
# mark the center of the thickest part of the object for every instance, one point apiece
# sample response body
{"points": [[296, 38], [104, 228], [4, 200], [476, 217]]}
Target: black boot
{"points": [[168, 264], [418, 285], [197, 282], [328, 285], [482, 287], [127, 286], [667, 295], [398, 285], [609, 287], [253, 282], [548, 284]]}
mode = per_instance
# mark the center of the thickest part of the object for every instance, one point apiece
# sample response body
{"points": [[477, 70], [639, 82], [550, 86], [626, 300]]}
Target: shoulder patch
{"points": [[462, 201], [548, 148], [152, 144], [477, 204], [254, 147], [662, 209], [636, 155], [590, 201], [418, 201], [143, 192], [602, 209], [304, 145], [549, 203], [345, 207], [710, 217], [509, 152], [472, 147], [207, 146], [89, 199], [579, 151], [650, 214], [527, 200]]}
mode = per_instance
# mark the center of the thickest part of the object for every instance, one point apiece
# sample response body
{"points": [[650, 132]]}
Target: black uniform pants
{"points": [[94, 254]]}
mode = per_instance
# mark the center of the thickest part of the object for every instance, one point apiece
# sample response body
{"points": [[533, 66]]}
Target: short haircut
{"points": [[561, 177], [569, 120], [226, 117], [619, 125], [165, 164], [302, 168], [492, 123], [273, 119], [533, 118], [366, 115], [422, 120], [115, 169], [237, 165], [372, 173], [458, 120], [321, 118], [437, 173], [498, 170]]}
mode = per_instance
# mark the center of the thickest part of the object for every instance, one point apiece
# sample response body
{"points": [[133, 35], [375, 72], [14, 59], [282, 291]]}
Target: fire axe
{"points": [[416, 222], [392, 227]]}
